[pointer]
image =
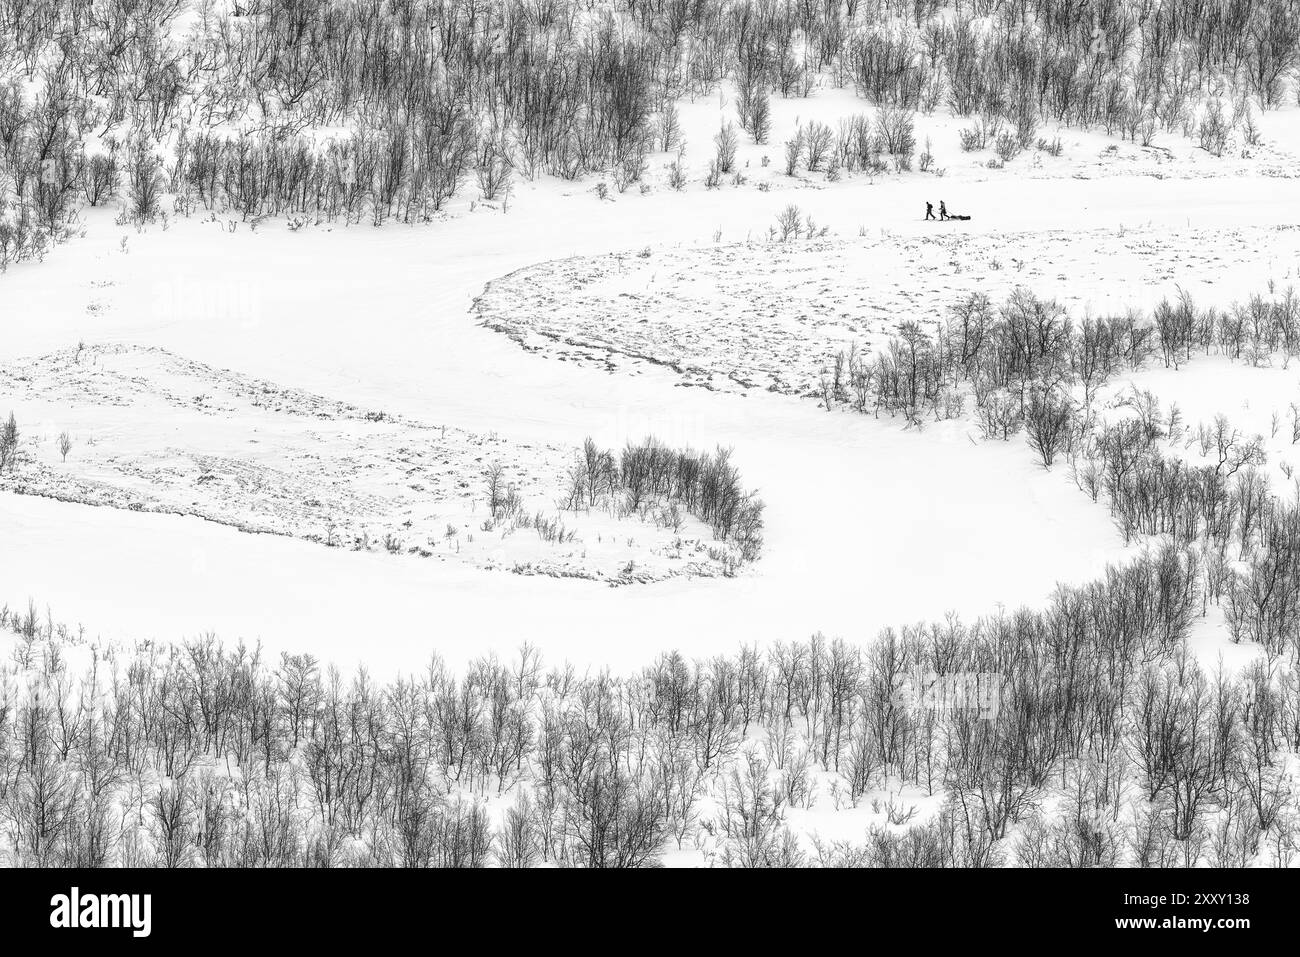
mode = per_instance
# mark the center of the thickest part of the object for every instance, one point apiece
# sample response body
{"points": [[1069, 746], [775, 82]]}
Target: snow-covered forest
{"points": [[636, 433]]}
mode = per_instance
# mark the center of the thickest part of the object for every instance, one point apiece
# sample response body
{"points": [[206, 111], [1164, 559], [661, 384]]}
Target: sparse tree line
{"points": [[375, 111], [1107, 744], [1028, 367], [651, 476]]}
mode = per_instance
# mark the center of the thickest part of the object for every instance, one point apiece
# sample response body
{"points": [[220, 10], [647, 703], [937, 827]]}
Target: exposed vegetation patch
{"points": [[146, 430], [766, 315]]}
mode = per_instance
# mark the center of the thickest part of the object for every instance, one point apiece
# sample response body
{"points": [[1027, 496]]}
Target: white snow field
{"points": [[867, 524]]}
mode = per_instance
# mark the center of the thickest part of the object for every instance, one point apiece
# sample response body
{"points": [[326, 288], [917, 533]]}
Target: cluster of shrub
{"points": [[1106, 744], [861, 143], [505, 505], [312, 108], [651, 476]]}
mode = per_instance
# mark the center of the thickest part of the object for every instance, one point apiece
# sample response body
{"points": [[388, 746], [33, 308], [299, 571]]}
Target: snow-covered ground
{"points": [[868, 524], [280, 433], [769, 315], [144, 430]]}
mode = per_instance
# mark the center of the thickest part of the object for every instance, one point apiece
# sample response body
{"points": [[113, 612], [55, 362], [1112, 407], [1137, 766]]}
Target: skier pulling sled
{"points": [[944, 215]]}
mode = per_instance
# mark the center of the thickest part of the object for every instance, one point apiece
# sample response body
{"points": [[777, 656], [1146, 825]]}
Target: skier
{"points": [[929, 210], [943, 210]]}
